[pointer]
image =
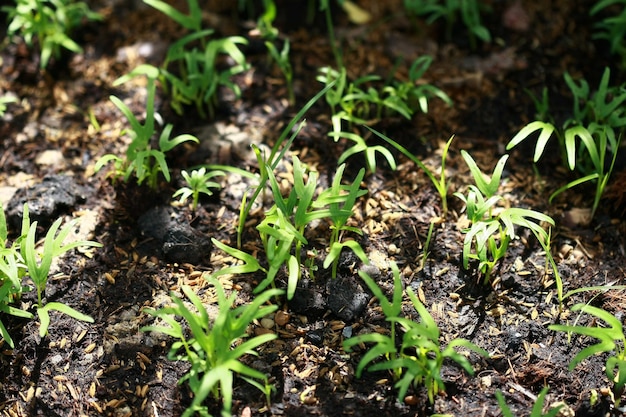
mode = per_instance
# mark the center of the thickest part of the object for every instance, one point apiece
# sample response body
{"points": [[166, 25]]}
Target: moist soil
{"points": [[64, 122]]}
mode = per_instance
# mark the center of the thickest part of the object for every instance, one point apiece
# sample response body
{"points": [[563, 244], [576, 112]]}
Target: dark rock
{"points": [[315, 337], [177, 241], [47, 200], [308, 299], [346, 297]]}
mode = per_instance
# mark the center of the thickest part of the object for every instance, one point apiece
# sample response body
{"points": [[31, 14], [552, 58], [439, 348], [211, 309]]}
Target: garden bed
{"points": [[153, 246]]}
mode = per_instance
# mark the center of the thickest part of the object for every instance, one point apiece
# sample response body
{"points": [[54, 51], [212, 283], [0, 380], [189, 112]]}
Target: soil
{"points": [[111, 368]]}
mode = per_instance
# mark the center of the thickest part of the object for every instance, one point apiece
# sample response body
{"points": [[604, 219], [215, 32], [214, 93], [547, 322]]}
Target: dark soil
{"points": [[150, 246]]}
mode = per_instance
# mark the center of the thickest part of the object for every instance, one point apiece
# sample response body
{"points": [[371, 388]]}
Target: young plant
{"points": [[198, 182], [22, 259], [196, 77], [340, 199], [141, 159], [420, 357], [216, 344], [612, 28], [354, 103], [537, 410], [4, 100], [492, 228], [38, 263], [50, 22], [449, 10], [271, 162], [12, 270], [282, 60], [598, 122], [285, 223], [414, 93], [610, 339]]}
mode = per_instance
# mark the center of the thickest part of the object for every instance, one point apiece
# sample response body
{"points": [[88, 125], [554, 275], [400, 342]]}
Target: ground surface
{"points": [[110, 368]]}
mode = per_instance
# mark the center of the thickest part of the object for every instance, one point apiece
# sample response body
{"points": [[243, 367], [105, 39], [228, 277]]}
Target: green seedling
{"points": [[38, 264], [340, 199], [282, 60], [198, 78], [50, 22], [441, 184], [141, 160], [21, 260], [325, 7], [590, 139], [612, 27], [610, 339], [420, 357], [214, 346], [278, 151], [537, 410], [198, 182], [265, 23], [4, 100], [285, 223], [490, 232], [192, 21], [361, 103], [12, 270], [249, 266], [283, 228], [414, 93], [450, 10]]}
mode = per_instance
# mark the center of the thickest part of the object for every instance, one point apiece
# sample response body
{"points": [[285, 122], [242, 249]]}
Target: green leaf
{"points": [[547, 129], [487, 188]]}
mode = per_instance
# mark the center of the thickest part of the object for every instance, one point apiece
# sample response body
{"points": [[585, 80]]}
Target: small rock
{"points": [[51, 157], [178, 241], [46, 200], [346, 298], [267, 323], [281, 317]]}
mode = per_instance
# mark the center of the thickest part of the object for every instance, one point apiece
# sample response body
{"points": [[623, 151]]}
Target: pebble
{"points": [[281, 318], [267, 323]]}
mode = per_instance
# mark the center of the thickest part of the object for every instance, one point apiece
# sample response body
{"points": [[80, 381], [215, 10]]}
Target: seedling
{"points": [[360, 103], [50, 22], [199, 78], [216, 344], [282, 60], [285, 222], [610, 339], [340, 199], [490, 232], [449, 10], [198, 182], [192, 21], [38, 264], [414, 93], [141, 160], [420, 357], [272, 160], [22, 259], [598, 121], [612, 28], [4, 100]]}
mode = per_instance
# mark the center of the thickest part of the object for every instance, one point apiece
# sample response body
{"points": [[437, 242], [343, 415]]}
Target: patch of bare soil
{"points": [[111, 368]]}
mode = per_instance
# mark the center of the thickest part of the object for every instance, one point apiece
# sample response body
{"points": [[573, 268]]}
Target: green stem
{"points": [[333, 40]]}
